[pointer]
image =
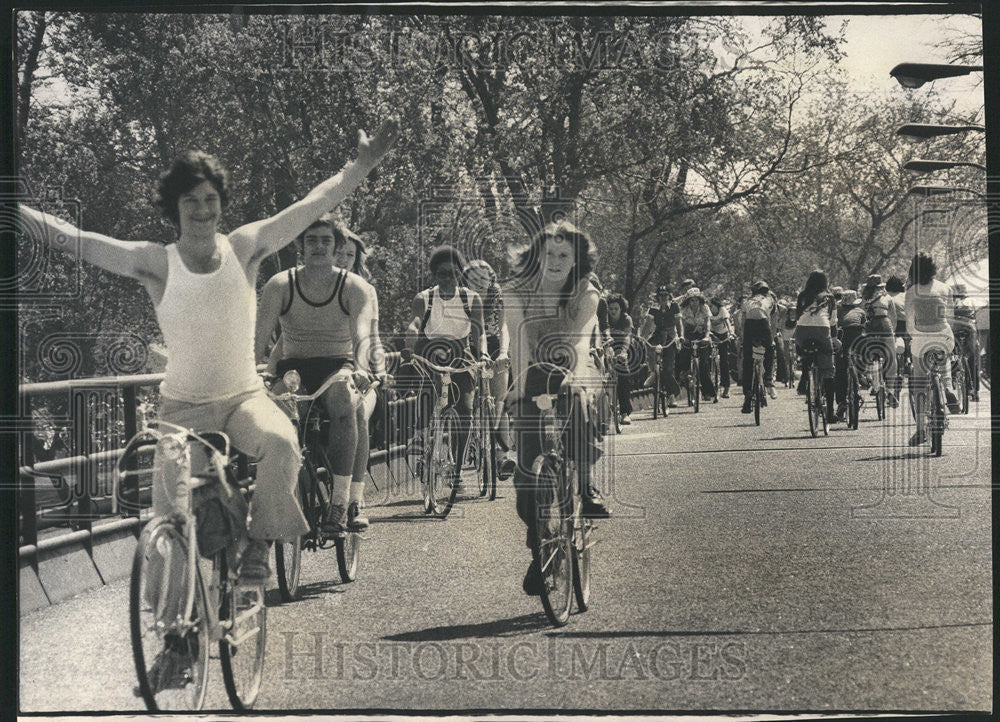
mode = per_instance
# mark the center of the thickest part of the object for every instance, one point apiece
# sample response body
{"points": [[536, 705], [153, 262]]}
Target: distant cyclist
{"points": [[896, 289], [928, 308], [722, 334], [963, 323], [852, 328], [697, 321], [881, 329], [662, 326], [621, 340], [817, 310], [481, 278], [759, 311]]}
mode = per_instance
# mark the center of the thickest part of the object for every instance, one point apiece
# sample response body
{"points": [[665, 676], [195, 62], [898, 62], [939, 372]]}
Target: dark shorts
{"points": [[493, 346], [314, 371]]}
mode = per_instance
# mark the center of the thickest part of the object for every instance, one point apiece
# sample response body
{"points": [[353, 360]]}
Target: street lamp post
{"points": [[926, 165], [923, 131], [914, 75]]}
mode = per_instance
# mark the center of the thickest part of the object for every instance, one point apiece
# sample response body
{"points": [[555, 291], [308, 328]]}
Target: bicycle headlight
{"points": [[292, 381]]}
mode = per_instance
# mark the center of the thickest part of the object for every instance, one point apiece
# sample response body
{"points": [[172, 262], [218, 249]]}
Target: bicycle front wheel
{"points": [[170, 651], [581, 563], [552, 541], [441, 474], [243, 617], [348, 556], [288, 555]]}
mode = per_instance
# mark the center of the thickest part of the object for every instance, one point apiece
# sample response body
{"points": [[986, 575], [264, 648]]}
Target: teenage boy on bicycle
{"points": [[202, 288], [325, 314]]}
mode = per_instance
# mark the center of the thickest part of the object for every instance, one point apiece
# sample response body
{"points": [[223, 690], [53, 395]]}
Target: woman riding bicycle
{"points": [[697, 319], [481, 278], [817, 313], [928, 308], [552, 313], [758, 310], [621, 340], [722, 334]]}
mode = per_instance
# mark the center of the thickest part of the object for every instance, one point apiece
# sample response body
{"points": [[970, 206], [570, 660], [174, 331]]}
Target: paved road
{"points": [[746, 568]]}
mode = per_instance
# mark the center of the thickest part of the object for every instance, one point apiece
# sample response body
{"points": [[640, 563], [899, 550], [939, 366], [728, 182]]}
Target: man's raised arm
{"points": [[262, 238], [125, 258]]}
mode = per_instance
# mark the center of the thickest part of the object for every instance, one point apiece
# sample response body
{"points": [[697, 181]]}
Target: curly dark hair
{"points": [[922, 269], [188, 170], [528, 264], [894, 285], [620, 300]]}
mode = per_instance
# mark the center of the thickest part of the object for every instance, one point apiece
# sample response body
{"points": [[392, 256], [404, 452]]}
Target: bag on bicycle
{"points": [[220, 515]]}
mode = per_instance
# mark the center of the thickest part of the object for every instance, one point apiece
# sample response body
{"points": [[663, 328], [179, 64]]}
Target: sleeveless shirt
{"points": [[448, 317], [312, 329], [208, 321]]}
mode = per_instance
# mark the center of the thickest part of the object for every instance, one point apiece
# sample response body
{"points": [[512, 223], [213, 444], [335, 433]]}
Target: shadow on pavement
{"points": [[272, 597], [497, 628], [739, 632]]}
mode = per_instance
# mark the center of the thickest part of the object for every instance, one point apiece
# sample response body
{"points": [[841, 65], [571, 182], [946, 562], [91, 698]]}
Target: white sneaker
{"points": [[771, 393], [626, 420]]}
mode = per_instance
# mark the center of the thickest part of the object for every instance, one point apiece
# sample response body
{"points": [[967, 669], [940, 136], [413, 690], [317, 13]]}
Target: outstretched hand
{"points": [[372, 148]]}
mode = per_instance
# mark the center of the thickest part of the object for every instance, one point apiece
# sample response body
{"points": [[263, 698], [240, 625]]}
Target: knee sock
{"points": [[357, 491]]}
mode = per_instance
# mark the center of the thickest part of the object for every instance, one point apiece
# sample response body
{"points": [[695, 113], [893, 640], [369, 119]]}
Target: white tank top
{"points": [[448, 318], [207, 321]]}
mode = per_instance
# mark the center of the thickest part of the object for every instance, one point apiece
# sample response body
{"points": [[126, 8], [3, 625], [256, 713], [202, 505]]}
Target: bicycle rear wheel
{"points": [[695, 381], [348, 556], [241, 649], [488, 440], [758, 396], [657, 392], [715, 377], [552, 541], [581, 563], [853, 399], [812, 407], [170, 653], [961, 379]]}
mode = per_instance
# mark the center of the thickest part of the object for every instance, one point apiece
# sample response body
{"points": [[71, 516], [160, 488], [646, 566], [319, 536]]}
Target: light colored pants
{"points": [[257, 427]]}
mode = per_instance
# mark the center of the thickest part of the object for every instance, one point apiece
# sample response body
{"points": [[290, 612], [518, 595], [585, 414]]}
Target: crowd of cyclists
{"points": [[553, 309]]}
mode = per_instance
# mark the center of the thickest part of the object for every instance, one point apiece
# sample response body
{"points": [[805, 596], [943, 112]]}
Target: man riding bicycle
{"points": [[447, 329], [325, 314], [202, 288], [662, 326]]}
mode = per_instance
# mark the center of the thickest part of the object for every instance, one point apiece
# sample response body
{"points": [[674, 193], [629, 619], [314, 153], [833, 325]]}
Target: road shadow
{"points": [[741, 632], [898, 457], [272, 597], [497, 628]]}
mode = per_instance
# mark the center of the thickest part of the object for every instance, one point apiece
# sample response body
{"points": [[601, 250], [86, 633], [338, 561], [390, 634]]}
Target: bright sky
{"points": [[876, 43]]}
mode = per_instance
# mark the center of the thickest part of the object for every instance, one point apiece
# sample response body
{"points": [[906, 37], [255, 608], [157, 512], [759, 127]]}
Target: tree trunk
{"points": [[27, 77]]}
